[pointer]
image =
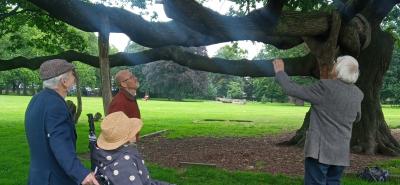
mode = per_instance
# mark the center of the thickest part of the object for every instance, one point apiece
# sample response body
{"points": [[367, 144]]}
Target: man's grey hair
{"points": [[118, 76], [52, 83], [347, 69]]}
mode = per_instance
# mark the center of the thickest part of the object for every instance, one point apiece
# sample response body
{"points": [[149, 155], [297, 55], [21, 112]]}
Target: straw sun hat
{"points": [[117, 129]]}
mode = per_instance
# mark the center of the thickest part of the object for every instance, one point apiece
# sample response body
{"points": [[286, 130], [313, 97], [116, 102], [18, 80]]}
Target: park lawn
{"points": [[392, 115], [182, 119]]}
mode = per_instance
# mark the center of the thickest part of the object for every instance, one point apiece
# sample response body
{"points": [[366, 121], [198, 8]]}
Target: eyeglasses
{"points": [[131, 77]]}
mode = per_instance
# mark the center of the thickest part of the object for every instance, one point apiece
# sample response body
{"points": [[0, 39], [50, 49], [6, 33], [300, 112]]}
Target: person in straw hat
{"points": [[118, 160]]}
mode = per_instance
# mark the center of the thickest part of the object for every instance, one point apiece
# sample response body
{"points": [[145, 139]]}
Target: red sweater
{"points": [[125, 102]]}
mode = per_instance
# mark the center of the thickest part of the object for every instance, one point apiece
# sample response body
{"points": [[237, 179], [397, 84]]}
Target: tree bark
{"points": [[297, 66], [84, 16], [372, 134], [105, 66], [205, 20], [78, 98], [300, 137]]}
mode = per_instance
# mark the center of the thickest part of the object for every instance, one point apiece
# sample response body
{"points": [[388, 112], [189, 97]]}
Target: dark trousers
{"points": [[317, 173]]}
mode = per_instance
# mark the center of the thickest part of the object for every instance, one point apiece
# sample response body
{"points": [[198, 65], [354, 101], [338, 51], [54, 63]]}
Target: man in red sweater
{"points": [[125, 99]]}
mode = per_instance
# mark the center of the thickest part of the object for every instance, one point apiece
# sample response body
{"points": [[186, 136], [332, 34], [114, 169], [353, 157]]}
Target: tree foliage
{"points": [[390, 92], [30, 40], [228, 85], [169, 80]]}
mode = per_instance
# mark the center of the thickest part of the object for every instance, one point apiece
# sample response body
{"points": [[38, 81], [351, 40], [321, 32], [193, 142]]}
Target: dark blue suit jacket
{"points": [[51, 136]]}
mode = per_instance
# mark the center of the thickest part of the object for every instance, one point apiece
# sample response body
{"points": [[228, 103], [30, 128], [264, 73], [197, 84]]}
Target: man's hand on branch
{"points": [[279, 65]]}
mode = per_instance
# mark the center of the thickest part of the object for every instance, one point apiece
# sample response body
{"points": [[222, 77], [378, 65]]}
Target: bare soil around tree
{"points": [[261, 154]]}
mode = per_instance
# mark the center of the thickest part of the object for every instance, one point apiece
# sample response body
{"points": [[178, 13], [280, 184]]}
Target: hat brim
{"points": [[135, 126]]}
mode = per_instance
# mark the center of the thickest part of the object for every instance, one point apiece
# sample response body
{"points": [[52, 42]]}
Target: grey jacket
{"points": [[335, 106], [123, 166]]}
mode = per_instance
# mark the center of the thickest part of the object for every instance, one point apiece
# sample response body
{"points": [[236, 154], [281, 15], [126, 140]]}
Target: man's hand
{"points": [[90, 180], [279, 65]]}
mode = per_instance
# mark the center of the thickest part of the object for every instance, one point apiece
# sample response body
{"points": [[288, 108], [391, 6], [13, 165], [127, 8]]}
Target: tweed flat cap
{"points": [[54, 68]]}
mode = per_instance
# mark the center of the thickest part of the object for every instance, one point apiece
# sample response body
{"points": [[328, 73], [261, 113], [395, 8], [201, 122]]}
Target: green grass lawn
{"points": [[182, 119]]}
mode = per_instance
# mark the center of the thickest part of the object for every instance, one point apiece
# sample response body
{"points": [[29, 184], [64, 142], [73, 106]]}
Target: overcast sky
{"points": [[120, 40]]}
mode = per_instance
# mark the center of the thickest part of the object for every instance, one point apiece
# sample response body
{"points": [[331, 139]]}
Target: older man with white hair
{"points": [[335, 106], [125, 99], [50, 131]]}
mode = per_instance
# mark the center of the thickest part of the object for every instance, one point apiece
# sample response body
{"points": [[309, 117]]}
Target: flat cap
{"points": [[54, 68]]}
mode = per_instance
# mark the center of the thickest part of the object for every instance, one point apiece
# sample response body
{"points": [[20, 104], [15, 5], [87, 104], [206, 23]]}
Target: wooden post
{"points": [[78, 98], [105, 64]]}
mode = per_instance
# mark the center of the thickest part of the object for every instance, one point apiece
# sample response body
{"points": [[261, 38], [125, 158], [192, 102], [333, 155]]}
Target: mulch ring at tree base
{"points": [[245, 154]]}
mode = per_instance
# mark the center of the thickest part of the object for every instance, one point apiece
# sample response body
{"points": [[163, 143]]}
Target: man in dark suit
{"points": [[51, 132], [335, 106]]}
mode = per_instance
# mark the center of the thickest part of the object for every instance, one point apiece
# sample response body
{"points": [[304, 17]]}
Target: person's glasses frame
{"points": [[131, 77]]}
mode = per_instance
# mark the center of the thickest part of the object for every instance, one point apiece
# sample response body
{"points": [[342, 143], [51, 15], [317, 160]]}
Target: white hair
{"points": [[347, 69], [52, 83], [119, 74]]}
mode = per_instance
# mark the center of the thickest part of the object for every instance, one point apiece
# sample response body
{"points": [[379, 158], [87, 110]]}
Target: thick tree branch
{"points": [[272, 12], [205, 20], [86, 16], [201, 26], [300, 66], [327, 50], [349, 10]]}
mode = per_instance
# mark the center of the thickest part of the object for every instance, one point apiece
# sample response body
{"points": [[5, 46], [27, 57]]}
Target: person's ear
{"points": [[63, 81], [123, 84]]}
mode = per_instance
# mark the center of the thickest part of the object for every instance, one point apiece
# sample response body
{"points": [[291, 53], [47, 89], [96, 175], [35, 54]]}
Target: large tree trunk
{"points": [[371, 135], [300, 137]]}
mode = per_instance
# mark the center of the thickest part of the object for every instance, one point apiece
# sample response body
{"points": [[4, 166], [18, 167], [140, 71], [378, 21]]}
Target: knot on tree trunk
{"points": [[363, 29], [355, 36]]}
